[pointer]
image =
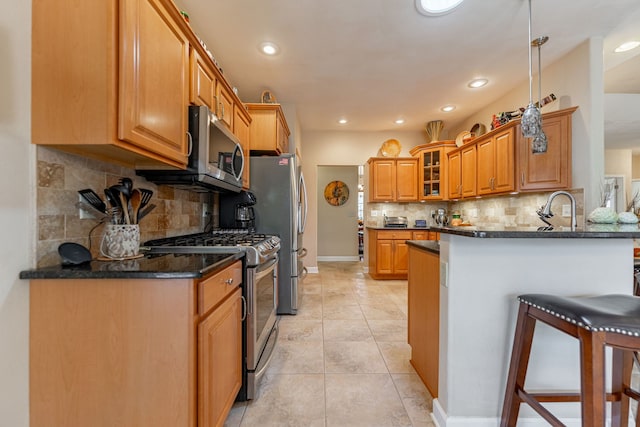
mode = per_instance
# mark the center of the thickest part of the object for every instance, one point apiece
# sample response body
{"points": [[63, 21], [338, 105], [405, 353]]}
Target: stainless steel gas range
{"points": [[260, 289]]}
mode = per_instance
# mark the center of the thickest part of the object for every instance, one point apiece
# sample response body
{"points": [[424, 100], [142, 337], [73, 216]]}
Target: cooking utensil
{"points": [[73, 254], [121, 200], [146, 211], [92, 210], [145, 197], [128, 184], [135, 200], [94, 200]]}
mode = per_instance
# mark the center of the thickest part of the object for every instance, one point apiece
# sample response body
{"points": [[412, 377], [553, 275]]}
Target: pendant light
{"points": [[531, 121], [539, 143]]}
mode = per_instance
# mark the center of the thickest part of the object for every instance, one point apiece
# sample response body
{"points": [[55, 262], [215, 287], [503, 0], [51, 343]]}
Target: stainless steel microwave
{"points": [[216, 160]]}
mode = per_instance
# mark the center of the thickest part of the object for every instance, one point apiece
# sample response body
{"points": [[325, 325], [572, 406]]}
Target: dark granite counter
{"points": [[427, 228], [590, 231], [156, 266], [427, 245]]}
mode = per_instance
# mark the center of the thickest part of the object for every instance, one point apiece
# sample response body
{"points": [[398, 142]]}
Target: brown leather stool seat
{"points": [[598, 322]]}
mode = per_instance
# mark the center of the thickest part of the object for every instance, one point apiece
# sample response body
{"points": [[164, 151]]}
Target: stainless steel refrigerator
{"points": [[281, 208]]}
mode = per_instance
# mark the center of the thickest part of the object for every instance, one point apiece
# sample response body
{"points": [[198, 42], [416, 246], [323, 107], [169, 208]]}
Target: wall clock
{"points": [[336, 193]]}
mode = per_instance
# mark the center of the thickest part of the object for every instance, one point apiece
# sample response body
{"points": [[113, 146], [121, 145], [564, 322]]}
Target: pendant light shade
{"points": [[539, 143]]}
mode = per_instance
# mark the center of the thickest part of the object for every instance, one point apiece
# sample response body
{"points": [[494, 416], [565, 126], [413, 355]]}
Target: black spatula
{"points": [[93, 199]]}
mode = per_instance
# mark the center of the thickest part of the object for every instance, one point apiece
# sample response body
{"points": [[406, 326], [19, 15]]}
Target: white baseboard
{"points": [[339, 258], [312, 270]]}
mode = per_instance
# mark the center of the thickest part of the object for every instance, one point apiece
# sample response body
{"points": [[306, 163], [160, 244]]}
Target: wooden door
{"points": [[420, 235], [384, 257], [154, 80], [219, 361], [241, 130], [224, 104], [407, 180], [202, 89], [382, 180], [468, 167], [504, 165], [455, 175], [486, 152], [400, 257]]}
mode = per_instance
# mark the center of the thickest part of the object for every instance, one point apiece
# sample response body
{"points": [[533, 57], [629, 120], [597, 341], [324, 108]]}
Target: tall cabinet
{"points": [[433, 169]]}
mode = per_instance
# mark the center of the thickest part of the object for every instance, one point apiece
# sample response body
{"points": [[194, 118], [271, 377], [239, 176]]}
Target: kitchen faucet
{"points": [[545, 211]]}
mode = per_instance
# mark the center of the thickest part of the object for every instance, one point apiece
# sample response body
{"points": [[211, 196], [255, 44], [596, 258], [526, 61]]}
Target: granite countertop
{"points": [[427, 228], [151, 266], [590, 231], [428, 245]]}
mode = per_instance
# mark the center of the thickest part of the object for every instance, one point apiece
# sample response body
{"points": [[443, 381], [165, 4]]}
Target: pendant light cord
{"points": [[530, 72]]}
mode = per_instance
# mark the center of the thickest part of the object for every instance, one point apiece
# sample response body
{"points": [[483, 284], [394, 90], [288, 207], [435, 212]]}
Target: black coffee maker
{"points": [[236, 211]]}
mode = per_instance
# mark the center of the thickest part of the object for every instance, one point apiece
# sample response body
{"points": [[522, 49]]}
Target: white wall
{"points": [[338, 225], [341, 149], [17, 207], [577, 80]]}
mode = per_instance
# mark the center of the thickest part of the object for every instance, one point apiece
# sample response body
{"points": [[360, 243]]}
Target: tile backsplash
{"points": [[513, 210], [61, 175]]}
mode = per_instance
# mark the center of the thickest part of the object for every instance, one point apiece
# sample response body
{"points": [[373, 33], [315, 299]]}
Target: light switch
{"points": [[444, 270]]}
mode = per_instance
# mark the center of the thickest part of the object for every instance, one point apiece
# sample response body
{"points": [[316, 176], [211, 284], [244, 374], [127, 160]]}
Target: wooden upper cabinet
{"points": [[455, 175], [242, 130], [203, 82], [224, 104], [433, 175], [495, 169], [462, 172], [269, 129], [154, 79], [550, 170], [393, 179], [110, 80]]}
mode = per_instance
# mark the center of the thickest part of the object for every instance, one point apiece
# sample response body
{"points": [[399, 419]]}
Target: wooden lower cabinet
{"points": [[135, 352], [388, 252], [424, 315]]}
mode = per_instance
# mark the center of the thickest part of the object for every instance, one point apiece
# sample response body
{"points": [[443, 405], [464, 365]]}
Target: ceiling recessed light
{"points": [[627, 46], [399, 121], [436, 7], [269, 48], [476, 83], [343, 121], [448, 108]]}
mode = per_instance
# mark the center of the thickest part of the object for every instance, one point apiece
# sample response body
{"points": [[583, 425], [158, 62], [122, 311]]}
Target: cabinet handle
{"points": [[222, 107], [229, 281], [522, 178], [215, 105], [244, 308]]}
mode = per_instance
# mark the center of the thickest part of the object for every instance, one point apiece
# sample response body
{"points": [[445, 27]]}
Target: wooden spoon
{"points": [[135, 200]]}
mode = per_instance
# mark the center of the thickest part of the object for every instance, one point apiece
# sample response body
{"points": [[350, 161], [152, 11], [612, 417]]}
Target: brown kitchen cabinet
{"points": [[202, 88], [242, 130], [551, 170], [148, 352], [393, 179], [124, 98], [495, 170], [269, 129], [388, 252], [424, 315], [433, 176], [462, 172], [420, 235], [224, 104]]}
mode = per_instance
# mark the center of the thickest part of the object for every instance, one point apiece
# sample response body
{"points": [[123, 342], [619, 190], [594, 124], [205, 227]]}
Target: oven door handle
{"points": [[265, 268]]}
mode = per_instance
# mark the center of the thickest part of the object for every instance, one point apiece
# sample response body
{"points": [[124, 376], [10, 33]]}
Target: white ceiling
{"points": [[377, 60]]}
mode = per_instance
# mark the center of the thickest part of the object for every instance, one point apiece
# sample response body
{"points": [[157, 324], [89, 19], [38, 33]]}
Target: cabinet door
{"points": [[282, 137], [400, 257], [407, 180], [420, 235], [219, 361], [224, 108], [550, 170], [504, 172], [384, 257], [486, 165], [154, 80], [382, 180], [241, 130], [203, 82], [468, 176], [455, 175]]}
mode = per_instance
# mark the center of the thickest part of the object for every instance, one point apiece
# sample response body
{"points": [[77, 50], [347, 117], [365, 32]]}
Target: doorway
{"points": [[338, 220]]}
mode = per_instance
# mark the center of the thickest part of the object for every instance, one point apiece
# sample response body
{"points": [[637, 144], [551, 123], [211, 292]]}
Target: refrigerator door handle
{"points": [[303, 201]]}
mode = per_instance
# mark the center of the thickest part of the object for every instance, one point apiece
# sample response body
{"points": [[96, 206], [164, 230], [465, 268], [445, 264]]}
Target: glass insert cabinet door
{"points": [[431, 174]]}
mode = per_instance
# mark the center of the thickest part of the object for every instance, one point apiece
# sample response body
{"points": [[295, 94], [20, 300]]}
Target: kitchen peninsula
{"points": [[479, 274]]}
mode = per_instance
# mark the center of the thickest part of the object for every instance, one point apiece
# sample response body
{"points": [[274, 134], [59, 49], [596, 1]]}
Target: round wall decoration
{"points": [[336, 193]]}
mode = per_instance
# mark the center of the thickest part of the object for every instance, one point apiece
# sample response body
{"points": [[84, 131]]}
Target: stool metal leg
{"points": [[592, 373], [522, 341]]}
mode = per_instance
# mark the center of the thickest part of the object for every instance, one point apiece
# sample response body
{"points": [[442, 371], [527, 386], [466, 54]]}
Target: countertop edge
{"points": [[590, 232], [427, 245]]}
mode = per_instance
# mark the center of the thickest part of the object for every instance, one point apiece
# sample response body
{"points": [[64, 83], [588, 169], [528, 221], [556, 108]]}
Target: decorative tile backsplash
{"points": [[509, 210], [61, 175]]}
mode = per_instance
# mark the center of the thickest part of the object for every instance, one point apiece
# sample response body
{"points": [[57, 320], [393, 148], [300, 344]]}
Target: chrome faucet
{"points": [[545, 211]]}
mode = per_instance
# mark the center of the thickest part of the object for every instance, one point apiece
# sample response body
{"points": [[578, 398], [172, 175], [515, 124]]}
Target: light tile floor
{"points": [[343, 360]]}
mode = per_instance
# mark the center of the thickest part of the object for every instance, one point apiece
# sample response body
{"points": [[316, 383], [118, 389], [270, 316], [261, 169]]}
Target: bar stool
{"points": [[597, 322]]}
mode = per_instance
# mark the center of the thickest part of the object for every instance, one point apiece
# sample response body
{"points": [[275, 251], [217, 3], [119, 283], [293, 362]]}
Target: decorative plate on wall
{"points": [[336, 193]]}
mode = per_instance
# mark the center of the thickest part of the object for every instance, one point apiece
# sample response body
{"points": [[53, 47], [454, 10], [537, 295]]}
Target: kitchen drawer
{"points": [[394, 234], [212, 291], [420, 235]]}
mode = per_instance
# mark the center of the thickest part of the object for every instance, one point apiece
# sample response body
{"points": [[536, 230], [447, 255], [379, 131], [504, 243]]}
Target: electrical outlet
{"points": [[85, 213], [566, 210], [206, 210]]}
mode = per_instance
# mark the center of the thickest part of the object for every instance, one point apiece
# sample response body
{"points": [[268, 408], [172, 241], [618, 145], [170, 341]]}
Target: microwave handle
{"points": [[190, 140], [238, 150]]}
